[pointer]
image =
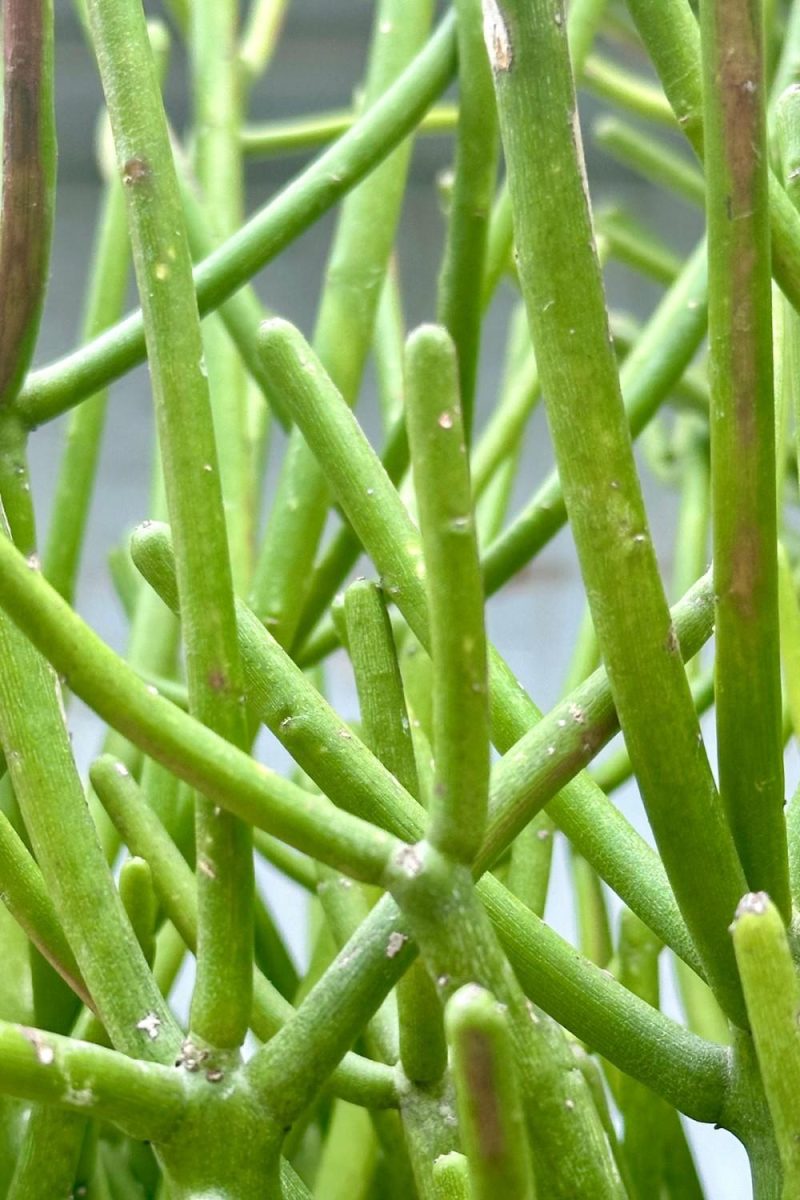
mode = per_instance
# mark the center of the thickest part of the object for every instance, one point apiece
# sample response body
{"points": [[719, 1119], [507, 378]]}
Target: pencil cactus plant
{"points": [[444, 1041]]}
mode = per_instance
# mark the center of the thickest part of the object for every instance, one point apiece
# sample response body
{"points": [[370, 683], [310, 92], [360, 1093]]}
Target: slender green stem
{"points": [[139, 902], [260, 35], [221, 1000], [343, 333], [385, 722], [644, 1115], [217, 104], [455, 596], [348, 1158], [629, 91], [451, 1177], [65, 535], [146, 1099], [26, 896], [771, 991], [54, 389], [297, 134], [48, 1159], [570, 334], [747, 685], [460, 304], [491, 1116], [28, 183]]}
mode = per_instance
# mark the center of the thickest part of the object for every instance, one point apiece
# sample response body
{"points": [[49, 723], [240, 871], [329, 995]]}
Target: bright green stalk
{"points": [[665, 348], [594, 933], [451, 1178], [260, 35], [388, 349], [460, 303], [47, 1162], [59, 387], [627, 90], [214, 29], [644, 1115], [386, 727], [747, 685], [789, 146], [499, 244], [174, 884], [437, 439], [790, 636], [348, 1156], [669, 31], [50, 795], [570, 334], [382, 523], [221, 1000], [655, 160], [139, 902], [583, 23], [26, 896], [146, 1099], [343, 333], [381, 701], [771, 992], [28, 184], [62, 553], [491, 1117], [297, 134]]}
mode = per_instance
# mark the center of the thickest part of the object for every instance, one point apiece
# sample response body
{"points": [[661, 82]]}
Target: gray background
{"points": [[535, 619]]}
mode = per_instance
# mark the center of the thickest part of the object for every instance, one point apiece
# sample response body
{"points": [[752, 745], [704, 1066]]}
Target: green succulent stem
{"points": [[747, 682]]}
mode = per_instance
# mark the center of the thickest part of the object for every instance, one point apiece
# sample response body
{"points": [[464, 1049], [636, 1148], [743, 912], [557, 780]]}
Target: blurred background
{"points": [[535, 619]]}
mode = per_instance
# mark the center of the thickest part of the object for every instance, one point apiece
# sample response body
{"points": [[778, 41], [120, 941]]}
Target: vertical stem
{"points": [[217, 158], [61, 558], [343, 332], [385, 723], [455, 595], [569, 327], [221, 1003], [492, 1118], [28, 188], [460, 301], [748, 690], [771, 991]]}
